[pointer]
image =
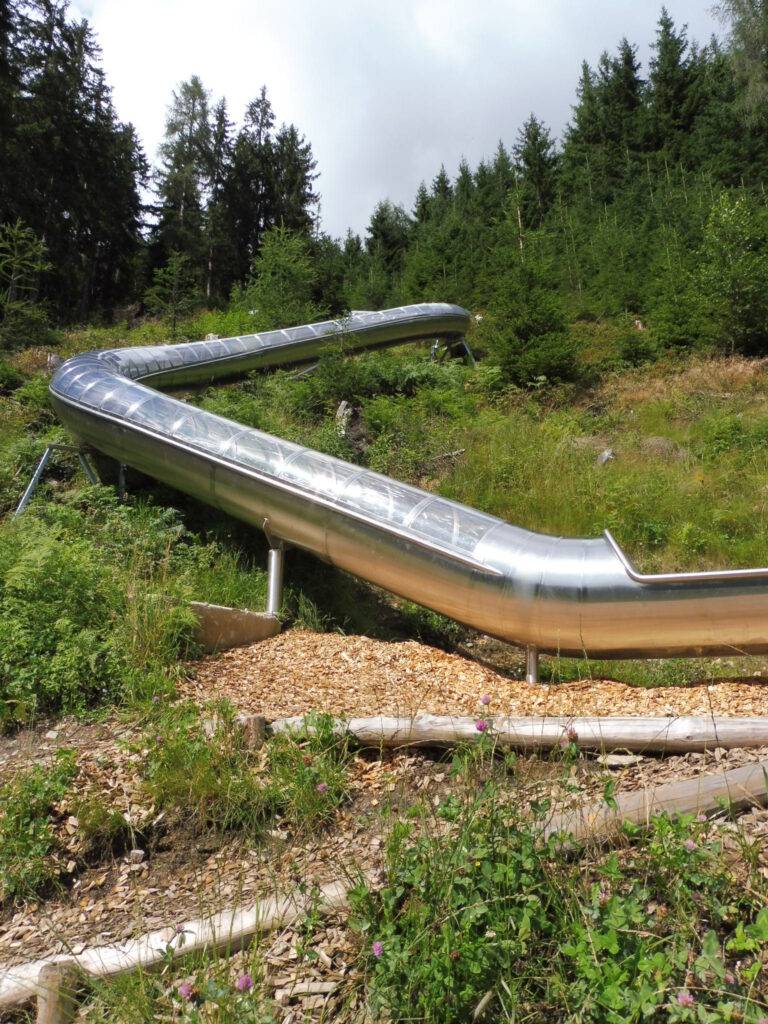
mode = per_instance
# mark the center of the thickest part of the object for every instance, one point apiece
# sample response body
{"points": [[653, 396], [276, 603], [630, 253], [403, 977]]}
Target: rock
{"points": [[606, 456], [343, 417], [136, 856]]}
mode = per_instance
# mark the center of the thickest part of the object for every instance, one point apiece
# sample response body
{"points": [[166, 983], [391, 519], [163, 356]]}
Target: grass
{"points": [[200, 766]]}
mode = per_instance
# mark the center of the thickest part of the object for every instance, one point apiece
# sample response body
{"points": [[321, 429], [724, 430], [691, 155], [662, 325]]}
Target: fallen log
{"points": [[638, 735], [735, 789], [225, 931]]}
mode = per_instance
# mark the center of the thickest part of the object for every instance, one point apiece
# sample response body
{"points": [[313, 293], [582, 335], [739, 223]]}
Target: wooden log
{"points": [[640, 735], [736, 788], [228, 930]]}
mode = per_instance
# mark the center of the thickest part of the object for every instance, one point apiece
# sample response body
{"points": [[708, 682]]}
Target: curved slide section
{"points": [[553, 594]]}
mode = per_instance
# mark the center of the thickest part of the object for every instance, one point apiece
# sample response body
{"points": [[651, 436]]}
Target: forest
{"points": [[650, 210]]}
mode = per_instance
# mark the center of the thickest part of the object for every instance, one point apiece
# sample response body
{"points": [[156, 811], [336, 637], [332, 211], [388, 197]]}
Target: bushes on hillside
{"points": [[93, 602]]}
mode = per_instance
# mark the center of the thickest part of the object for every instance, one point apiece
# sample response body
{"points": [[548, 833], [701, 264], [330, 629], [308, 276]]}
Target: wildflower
{"points": [[729, 978], [690, 845], [244, 983], [685, 999], [485, 699], [185, 990], [481, 726], [701, 817], [573, 736], [322, 787], [605, 894], [377, 949]]}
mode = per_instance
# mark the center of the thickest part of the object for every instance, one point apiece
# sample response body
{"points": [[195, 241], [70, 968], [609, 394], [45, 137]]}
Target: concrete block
{"points": [[221, 628]]}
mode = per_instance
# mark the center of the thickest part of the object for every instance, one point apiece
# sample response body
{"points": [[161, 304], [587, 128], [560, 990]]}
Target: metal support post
{"points": [[532, 665], [121, 467], [87, 468], [469, 353], [275, 563], [32, 485]]}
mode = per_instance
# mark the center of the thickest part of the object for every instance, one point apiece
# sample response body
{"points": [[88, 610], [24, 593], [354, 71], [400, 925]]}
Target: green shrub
{"points": [[10, 379], [90, 604], [27, 840]]}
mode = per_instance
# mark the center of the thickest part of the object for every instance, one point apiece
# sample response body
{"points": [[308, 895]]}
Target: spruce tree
{"points": [[669, 90], [536, 163], [184, 171]]}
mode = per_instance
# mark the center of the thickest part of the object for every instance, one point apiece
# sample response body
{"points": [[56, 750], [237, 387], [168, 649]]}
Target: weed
{"points": [[209, 778], [480, 910], [308, 770], [27, 839]]}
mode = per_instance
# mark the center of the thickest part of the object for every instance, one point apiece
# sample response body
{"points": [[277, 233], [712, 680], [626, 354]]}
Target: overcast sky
{"points": [[385, 92]]}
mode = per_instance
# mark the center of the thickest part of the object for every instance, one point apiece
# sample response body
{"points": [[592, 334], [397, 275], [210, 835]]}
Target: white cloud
{"points": [[384, 95]]}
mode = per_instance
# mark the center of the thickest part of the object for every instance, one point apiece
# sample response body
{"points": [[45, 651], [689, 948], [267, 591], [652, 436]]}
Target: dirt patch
{"points": [[354, 675]]}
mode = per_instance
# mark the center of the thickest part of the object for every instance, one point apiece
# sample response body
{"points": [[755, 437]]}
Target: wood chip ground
{"points": [[299, 671]]}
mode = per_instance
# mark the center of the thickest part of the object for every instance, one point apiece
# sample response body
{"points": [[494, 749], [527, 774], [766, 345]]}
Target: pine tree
{"points": [[218, 269], [75, 170], [249, 191], [294, 177], [174, 291], [423, 204], [388, 234]]}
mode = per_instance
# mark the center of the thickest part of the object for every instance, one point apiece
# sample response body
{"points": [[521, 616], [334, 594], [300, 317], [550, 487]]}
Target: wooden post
{"points": [[58, 985]]}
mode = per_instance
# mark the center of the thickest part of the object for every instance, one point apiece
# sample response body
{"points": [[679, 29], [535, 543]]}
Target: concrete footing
{"points": [[221, 628]]}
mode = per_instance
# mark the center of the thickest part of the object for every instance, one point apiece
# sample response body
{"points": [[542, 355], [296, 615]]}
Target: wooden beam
{"points": [[639, 735], [736, 789]]}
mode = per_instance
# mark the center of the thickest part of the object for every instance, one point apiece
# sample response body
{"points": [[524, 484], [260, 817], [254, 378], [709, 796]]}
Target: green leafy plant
{"points": [[27, 838]]}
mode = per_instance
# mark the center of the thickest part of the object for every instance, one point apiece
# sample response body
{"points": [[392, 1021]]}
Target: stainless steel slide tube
{"points": [[553, 594]]}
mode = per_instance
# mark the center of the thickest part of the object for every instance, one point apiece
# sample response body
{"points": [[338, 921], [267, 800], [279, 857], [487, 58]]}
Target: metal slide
{"points": [[553, 594]]}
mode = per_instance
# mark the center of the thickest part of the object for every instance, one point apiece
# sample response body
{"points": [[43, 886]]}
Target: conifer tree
{"points": [[186, 160], [748, 23], [670, 83], [536, 164]]}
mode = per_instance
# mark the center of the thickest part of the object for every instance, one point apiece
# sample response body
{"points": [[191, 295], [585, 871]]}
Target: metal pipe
{"points": [[532, 666], [275, 566], [552, 594], [31, 487]]}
